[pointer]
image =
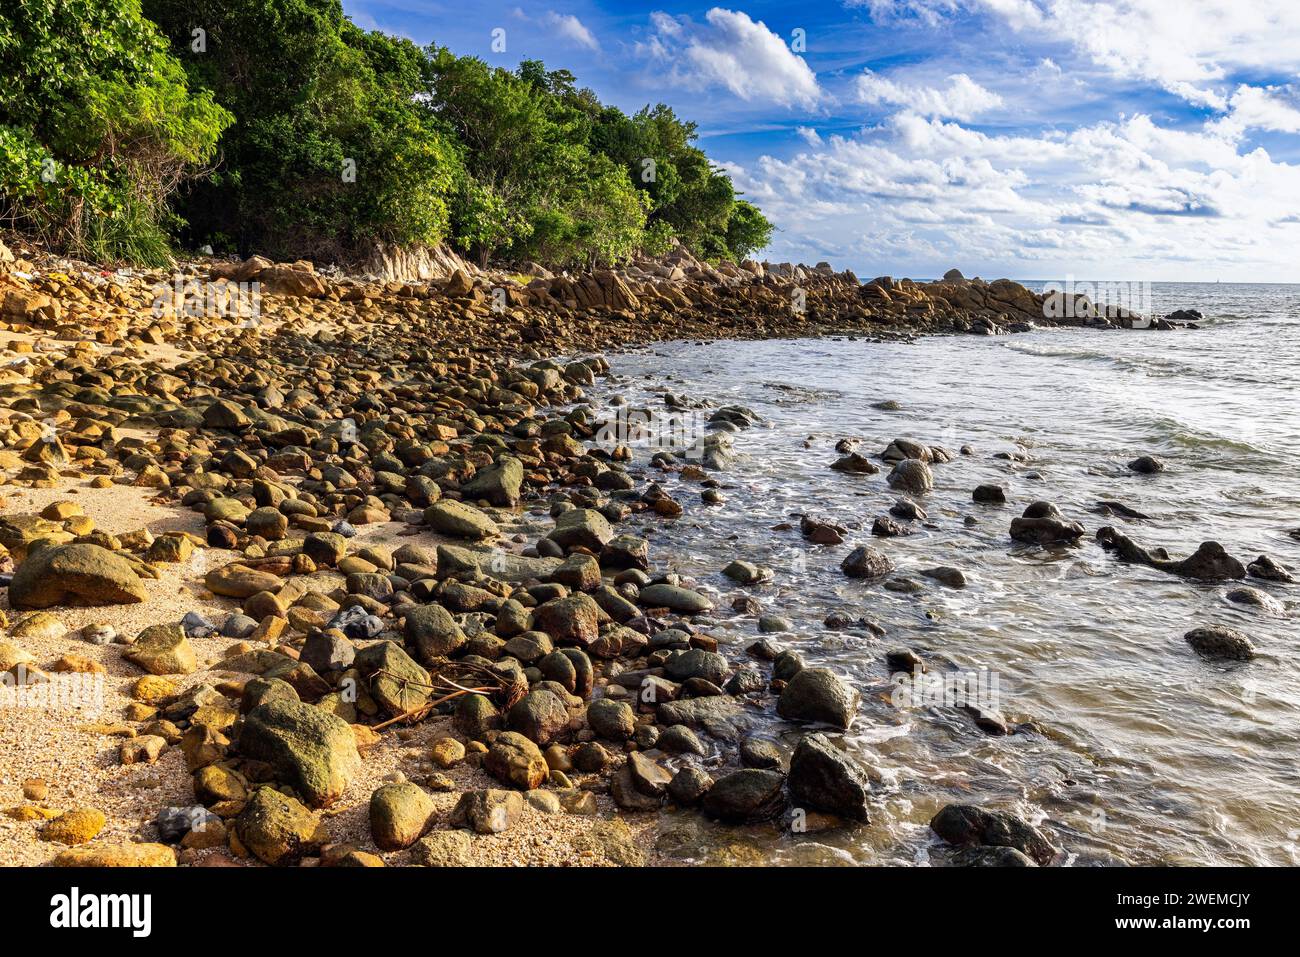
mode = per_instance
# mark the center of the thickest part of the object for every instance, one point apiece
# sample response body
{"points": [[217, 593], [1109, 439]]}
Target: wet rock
{"points": [[721, 717], [1210, 562], [648, 776], [965, 825], [312, 751], [746, 796], [674, 598], [1255, 598], [697, 663], [981, 856], [759, 753], [912, 476], [680, 739], [1147, 465], [855, 463], [946, 575], [747, 573], [1220, 643], [689, 785], [74, 574], [1267, 569], [866, 562], [626, 794], [989, 495], [884, 527], [824, 778], [1043, 524], [818, 694]]}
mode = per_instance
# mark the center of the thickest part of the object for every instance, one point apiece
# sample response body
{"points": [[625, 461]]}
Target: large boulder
{"points": [[74, 574], [311, 750], [824, 778], [744, 796], [396, 682], [911, 475], [674, 598], [818, 694], [513, 759], [574, 619]]}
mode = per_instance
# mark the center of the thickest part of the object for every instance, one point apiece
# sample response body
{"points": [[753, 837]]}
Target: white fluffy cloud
{"points": [[961, 99], [1127, 196], [731, 51], [571, 28], [1185, 46]]}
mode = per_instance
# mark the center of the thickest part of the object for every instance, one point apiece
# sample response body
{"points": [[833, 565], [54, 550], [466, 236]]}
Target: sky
{"points": [[1141, 140]]}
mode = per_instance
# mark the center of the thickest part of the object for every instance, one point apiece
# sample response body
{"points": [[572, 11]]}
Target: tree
{"points": [[98, 126], [332, 152]]}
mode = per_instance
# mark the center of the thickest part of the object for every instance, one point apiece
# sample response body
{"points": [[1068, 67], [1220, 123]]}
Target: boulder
{"points": [[432, 631], [74, 574], [499, 483], [399, 815], [866, 562], [513, 759], [965, 825], [818, 694], [746, 796], [824, 778], [278, 830], [310, 750], [459, 520], [163, 650], [489, 811]]}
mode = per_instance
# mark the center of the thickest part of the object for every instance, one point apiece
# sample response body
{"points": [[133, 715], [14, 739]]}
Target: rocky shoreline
{"points": [[350, 565]]}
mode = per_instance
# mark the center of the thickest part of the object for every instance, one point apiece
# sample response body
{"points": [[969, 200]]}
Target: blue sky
{"points": [[1120, 139]]}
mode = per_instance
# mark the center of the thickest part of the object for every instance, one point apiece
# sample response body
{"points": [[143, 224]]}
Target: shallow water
{"points": [[1145, 753]]}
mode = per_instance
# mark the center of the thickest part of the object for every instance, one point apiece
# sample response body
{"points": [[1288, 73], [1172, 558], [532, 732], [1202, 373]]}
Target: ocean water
{"points": [[1140, 751]]}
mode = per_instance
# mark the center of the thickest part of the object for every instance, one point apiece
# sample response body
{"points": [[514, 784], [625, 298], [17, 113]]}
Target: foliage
{"points": [[325, 139], [98, 126]]}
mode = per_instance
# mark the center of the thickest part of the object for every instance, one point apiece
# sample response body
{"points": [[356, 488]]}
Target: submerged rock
{"points": [[1219, 642], [965, 825]]}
